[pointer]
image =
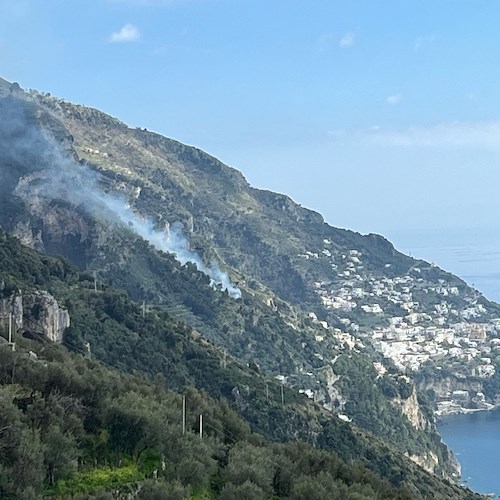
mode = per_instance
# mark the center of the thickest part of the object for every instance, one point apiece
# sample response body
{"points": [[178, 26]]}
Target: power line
{"points": [[203, 424]]}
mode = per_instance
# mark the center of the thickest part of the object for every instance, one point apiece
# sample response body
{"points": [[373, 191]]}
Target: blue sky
{"points": [[382, 115]]}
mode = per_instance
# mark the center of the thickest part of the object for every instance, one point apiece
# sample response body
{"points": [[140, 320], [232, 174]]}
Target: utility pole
{"points": [[143, 308], [201, 426], [183, 415], [87, 345], [12, 344], [95, 281], [282, 395], [224, 361], [267, 392]]}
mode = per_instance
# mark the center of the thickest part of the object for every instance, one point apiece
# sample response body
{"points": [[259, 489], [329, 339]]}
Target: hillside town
{"points": [[414, 320]]}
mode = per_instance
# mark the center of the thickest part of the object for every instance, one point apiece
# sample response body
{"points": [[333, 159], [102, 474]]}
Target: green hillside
{"points": [[292, 352], [71, 424]]}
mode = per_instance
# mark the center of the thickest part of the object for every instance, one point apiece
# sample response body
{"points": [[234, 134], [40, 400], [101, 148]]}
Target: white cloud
{"points": [[394, 99], [423, 40], [127, 33], [475, 135], [348, 39], [459, 136]]}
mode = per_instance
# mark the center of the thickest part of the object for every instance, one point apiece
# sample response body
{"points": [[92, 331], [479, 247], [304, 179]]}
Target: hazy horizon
{"points": [[384, 118]]}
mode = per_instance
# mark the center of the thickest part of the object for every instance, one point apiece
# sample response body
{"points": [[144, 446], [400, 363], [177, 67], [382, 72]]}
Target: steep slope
{"points": [[413, 313], [356, 283], [63, 410], [61, 162]]}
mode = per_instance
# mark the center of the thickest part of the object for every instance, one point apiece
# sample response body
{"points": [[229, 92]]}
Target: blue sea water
{"points": [[474, 256], [475, 440]]}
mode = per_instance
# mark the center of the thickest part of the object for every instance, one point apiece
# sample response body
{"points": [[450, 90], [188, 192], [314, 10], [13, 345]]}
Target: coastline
{"points": [[474, 444], [460, 410]]}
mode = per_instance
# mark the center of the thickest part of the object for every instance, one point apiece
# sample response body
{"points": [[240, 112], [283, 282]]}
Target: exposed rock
{"points": [[12, 306], [329, 376], [445, 386], [42, 314], [428, 462], [27, 236], [411, 409], [335, 401], [37, 312]]}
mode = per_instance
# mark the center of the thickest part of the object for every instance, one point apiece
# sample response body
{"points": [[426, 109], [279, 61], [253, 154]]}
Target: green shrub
{"points": [[98, 479]]}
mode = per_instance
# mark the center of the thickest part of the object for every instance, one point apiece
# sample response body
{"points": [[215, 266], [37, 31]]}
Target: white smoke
{"points": [[53, 174], [171, 240]]}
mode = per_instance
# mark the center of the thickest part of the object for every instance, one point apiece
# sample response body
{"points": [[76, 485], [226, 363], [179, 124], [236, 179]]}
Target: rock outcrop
{"points": [[428, 462], [410, 408], [35, 312], [445, 386]]}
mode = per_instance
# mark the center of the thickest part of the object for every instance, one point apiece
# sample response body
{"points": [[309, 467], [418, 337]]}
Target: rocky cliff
{"points": [[411, 409], [37, 312]]}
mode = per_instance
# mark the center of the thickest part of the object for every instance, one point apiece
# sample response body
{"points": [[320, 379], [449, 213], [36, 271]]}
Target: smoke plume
{"points": [[171, 240], [51, 172]]}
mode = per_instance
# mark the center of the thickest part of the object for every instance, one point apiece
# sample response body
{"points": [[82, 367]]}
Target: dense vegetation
{"points": [[249, 329], [121, 335], [187, 337], [259, 233], [71, 425]]}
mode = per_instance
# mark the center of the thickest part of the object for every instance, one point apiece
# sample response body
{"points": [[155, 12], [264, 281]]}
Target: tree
{"points": [[161, 490], [191, 459], [318, 487], [245, 491], [59, 454], [250, 463]]}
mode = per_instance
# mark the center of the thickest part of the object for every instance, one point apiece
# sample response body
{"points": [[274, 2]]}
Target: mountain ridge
{"points": [[292, 267]]}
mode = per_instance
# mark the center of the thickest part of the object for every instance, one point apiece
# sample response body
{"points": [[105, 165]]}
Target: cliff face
{"points": [[430, 462], [36, 312], [444, 386], [410, 408]]}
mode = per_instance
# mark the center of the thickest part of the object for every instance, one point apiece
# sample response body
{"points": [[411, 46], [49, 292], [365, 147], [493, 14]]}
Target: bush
{"points": [[98, 479], [245, 491], [162, 490]]}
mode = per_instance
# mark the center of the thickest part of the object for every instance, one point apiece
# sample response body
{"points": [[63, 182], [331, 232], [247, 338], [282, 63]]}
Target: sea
{"points": [[475, 441], [474, 256]]}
